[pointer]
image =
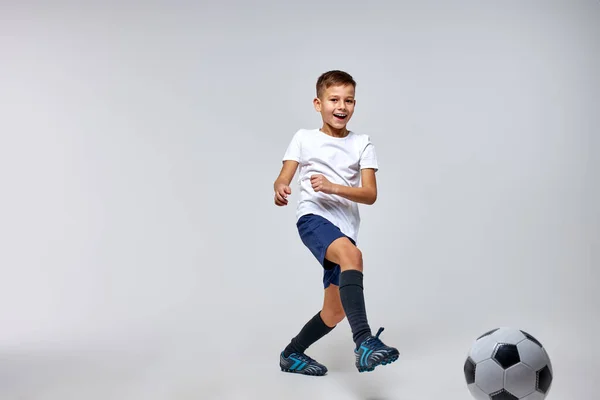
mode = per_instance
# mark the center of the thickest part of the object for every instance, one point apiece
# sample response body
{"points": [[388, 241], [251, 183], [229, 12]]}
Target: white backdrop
{"points": [[142, 256]]}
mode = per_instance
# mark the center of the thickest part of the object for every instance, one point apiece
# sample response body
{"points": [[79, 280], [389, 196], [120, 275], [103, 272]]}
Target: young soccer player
{"points": [[336, 172]]}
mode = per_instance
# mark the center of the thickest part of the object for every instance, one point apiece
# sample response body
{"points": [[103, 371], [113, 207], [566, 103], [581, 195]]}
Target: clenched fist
{"points": [[282, 191], [321, 184]]}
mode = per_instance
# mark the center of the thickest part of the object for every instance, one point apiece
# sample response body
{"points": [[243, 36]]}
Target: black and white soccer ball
{"points": [[508, 364]]}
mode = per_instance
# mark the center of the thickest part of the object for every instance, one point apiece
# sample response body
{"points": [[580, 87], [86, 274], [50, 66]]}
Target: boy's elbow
{"points": [[372, 199]]}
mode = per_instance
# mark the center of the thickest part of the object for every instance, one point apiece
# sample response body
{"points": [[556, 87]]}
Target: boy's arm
{"points": [[288, 170], [281, 186], [365, 194]]}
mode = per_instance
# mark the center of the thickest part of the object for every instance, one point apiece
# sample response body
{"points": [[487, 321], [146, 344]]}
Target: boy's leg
{"points": [[344, 253], [318, 326], [333, 310], [370, 351]]}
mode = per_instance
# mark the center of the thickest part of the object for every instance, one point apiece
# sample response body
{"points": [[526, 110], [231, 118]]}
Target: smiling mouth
{"points": [[340, 116]]}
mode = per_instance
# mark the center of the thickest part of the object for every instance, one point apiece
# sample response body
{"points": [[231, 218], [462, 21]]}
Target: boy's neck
{"points": [[339, 133]]}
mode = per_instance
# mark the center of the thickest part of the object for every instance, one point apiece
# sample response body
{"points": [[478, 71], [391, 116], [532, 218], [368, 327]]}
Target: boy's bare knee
{"points": [[352, 259], [357, 256], [343, 252]]}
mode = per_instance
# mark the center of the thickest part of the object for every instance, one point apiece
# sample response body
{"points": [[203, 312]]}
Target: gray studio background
{"points": [[142, 256]]}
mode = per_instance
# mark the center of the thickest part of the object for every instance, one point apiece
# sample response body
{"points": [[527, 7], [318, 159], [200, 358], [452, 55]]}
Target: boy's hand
{"points": [[321, 184], [282, 191]]}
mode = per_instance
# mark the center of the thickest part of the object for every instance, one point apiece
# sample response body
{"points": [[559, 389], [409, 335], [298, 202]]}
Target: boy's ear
{"points": [[317, 104]]}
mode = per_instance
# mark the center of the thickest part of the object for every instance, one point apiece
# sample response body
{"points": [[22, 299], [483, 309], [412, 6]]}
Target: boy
{"points": [[337, 171]]}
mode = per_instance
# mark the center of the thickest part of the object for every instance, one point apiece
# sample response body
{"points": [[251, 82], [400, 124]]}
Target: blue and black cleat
{"points": [[373, 352], [300, 363]]}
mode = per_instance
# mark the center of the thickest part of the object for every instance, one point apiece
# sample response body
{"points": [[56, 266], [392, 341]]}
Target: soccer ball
{"points": [[508, 364]]}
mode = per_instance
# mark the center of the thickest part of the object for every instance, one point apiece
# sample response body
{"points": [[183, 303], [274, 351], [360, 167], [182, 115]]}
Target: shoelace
{"points": [[304, 358], [375, 342]]}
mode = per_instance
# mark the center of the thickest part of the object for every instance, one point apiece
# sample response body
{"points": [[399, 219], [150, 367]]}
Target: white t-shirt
{"points": [[340, 160]]}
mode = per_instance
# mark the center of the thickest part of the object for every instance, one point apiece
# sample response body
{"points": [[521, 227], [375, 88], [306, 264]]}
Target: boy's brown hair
{"points": [[331, 78]]}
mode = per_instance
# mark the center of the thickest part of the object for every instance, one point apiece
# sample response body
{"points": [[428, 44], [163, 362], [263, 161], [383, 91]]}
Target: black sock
{"points": [[314, 330], [351, 293]]}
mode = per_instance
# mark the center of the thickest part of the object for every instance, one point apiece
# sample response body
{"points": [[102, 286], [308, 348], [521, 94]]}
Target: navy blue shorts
{"points": [[317, 233]]}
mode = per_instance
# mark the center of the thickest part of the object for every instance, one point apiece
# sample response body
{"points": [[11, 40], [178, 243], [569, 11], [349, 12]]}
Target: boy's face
{"points": [[336, 105]]}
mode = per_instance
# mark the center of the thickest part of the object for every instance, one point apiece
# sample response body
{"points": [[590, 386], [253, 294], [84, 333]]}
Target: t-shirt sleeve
{"points": [[294, 149], [368, 158]]}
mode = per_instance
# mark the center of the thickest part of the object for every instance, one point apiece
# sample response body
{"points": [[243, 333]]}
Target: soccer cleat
{"points": [[373, 352], [300, 363]]}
